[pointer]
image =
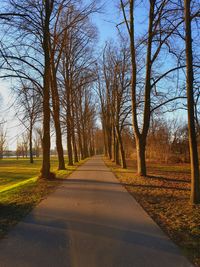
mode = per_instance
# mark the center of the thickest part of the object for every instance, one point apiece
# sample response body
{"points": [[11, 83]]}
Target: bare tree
{"points": [[195, 187], [3, 141], [76, 59], [163, 22], [115, 98], [29, 109]]}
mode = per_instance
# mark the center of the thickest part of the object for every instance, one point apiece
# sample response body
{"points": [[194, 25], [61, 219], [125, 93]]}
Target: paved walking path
{"points": [[90, 221]]}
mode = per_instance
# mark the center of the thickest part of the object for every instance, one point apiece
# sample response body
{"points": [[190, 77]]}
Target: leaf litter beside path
{"points": [[164, 194]]}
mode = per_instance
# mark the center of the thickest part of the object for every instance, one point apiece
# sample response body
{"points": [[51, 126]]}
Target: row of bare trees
{"points": [[47, 51], [113, 89], [29, 144], [154, 74]]}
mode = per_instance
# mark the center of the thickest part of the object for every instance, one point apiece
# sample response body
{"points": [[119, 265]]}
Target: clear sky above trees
{"points": [[106, 21]]}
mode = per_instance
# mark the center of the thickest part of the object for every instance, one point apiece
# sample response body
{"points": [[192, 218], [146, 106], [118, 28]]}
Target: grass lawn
{"points": [[20, 190], [164, 194]]}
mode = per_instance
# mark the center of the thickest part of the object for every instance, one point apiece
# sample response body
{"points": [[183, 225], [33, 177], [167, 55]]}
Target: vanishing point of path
{"points": [[90, 221]]}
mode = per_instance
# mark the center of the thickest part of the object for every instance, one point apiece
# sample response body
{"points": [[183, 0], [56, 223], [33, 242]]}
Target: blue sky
{"points": [[110, 16], [106, 23]]}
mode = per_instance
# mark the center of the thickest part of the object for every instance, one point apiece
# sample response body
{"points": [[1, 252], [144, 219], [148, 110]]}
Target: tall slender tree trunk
{"points": [[69, 135], [69, 146], [141, 137], [105, 140], [117, 152], [73, 136], [56, 117], [68, 119], [133, 83], [113, 144], [109, 141], [59, 146], [93, 143], [121, 147], [85, 144], [141, 160], [74, 145], [80, 144], [45, 171], [195, 178], [31, 143], [90, 148], [84, 136]]}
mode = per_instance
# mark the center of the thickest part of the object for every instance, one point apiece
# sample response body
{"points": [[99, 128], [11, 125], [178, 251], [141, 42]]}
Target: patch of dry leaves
{"points": [[164, 194]]}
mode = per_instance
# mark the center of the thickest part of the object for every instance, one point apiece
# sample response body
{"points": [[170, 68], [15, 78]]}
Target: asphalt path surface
{"points": [[89, 221]]}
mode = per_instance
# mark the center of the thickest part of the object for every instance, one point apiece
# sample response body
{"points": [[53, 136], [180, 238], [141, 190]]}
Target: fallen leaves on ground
{"points": [[164, 194]]}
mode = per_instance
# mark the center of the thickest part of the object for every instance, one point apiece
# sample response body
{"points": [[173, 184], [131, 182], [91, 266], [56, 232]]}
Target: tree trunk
{"points": [[117, 152], [45, 171], [141, 161], [74, 146], [121, 147], [195, 179], [56, 117], [80, 146], [80, 143], [69, 137], [92, 144], [84, 137], [69, 148], [73, 136], [123, 160], [109, 142], [31, 144], [59, 146], [68, 119], [85, 144], [141, 138], [105, 140], [113, 145]]}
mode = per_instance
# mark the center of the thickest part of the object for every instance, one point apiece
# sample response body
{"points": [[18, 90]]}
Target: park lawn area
{"points": [[16, 171], [164, 194], [21, 190]]}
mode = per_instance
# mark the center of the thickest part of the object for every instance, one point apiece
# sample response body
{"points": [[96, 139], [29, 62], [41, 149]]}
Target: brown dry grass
{"points": [[164, 194]]}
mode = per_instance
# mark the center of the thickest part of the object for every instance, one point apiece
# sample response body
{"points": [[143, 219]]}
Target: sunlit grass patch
{"points": [[21, 189], [18, 184], [13, 171]]}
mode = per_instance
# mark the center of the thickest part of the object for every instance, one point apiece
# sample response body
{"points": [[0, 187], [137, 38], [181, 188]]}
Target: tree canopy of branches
{"points": [[66, 88], [43, 35]]}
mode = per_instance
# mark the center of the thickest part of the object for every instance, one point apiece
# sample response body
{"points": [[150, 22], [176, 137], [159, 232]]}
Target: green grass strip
{"points": [[10, 187]]}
